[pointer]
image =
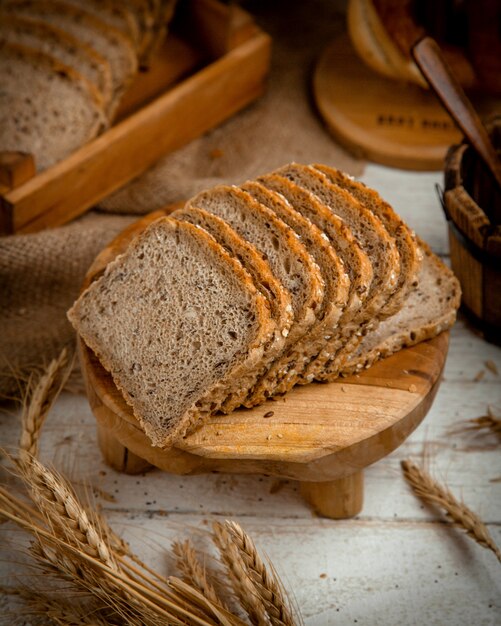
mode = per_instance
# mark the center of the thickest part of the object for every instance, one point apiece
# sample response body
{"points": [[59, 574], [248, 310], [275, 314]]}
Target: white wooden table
{"points": [[397, 563]]}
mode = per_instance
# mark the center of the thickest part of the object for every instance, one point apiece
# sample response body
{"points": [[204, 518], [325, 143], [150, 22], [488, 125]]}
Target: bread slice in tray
{"points": [[375, 241], [174, 320], [286, 370], [115, 13], [277, 297], [46, 108], [106, 40], [279, 245], [61, 46], [429, 309]]}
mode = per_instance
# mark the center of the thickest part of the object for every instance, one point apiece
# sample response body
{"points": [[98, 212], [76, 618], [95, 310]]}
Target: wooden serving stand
{"points": [[387, 121], [322, 435], [213, 64]]}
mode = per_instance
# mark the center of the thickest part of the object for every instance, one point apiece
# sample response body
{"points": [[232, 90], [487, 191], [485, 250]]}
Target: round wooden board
{"points": [[390, 122], [316, 433]]}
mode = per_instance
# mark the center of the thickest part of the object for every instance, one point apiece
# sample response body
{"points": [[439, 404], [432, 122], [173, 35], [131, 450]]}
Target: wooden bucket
{"points": [[472, 204]]}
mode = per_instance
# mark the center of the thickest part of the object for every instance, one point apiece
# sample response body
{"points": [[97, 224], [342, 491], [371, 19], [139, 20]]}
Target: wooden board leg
{"points": [[336, 499], [118, 456]]}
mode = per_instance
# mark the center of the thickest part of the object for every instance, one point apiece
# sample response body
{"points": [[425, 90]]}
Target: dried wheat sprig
{"points": [[69, 561], [64, 613], [223, 615], [267, 586], [40, 398], [55, 497], [490, 421], [431, 491], [241, 583], [193, 571], [54, 548]]}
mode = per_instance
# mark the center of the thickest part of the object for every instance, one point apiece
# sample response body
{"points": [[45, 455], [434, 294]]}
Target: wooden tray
{"points": [[221, 57], [321, 435], [387, 121]]}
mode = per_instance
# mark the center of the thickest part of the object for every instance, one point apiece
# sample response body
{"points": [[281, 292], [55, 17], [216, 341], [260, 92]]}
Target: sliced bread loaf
{"points": [[278, 299], [61, 46], [106, 40], [428, 310], [356, 262], [46, 108], [279, 245], [173, 319], [286, 370], [374, 239], [410, 256]]}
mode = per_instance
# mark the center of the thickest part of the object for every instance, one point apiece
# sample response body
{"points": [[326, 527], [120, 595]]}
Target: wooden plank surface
{"points": [[397, 563]]}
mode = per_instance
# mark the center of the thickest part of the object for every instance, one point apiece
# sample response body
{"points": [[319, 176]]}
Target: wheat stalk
{"points": [[242, 585], [40, 398], [74, 544], [429, 490], [56, 499], [193, 571], [60, 612], [267, 586], [490, 421]]}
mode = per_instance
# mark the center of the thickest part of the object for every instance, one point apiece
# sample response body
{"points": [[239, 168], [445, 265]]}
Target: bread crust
{"points": [[203, 407]]}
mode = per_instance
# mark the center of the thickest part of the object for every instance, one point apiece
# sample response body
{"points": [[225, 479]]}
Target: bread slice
{"points": [[61, 46], [288, 259], [356, 262], [405, 239], [106, 40], [46, 108], [114, 13], [173, 319], [428, 310], [374, 239], [286, 370], [144, 12], [278, 299]]}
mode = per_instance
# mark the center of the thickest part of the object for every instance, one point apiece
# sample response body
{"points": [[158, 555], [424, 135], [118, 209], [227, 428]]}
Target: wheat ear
{"points": [[242, 585], [267, 586], [40, 398], [56, 499], [432, 492], [193, 572]]}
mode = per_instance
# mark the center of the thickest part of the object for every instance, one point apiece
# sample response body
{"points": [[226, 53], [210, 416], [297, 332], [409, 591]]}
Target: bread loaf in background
{"points": [[78, 59], [248, 291]]}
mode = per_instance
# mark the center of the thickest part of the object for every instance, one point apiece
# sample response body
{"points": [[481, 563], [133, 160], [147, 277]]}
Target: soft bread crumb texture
{"points": [[169, 319]]}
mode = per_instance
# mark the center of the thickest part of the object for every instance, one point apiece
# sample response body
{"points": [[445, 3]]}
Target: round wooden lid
{"points": [[387, 121]]}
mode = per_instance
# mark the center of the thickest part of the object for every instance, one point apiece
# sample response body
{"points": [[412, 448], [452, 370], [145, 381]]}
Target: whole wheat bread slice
{"points": [[277, 297], [173, 319], [114, 13], [279, 245], [286, 370], [356, 262], [107, 41], [405, 239], [46, 108], [375, 241], [61, 46], [428, 310]]}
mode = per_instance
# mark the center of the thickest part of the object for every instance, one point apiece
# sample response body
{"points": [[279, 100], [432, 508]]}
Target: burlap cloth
{"points": [[40, 274]]}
